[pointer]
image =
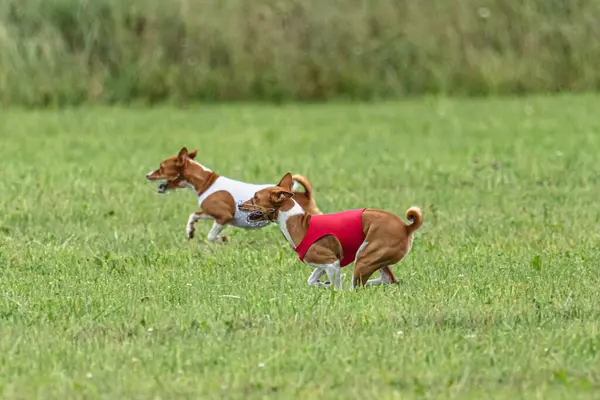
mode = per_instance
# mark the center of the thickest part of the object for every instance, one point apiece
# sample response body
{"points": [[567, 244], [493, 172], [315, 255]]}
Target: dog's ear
{"points": [[181, 157], [286, 182], [280, 195], [192, 154]]}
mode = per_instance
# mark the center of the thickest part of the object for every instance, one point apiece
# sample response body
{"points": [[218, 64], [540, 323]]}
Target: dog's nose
{"points": [[148, 175]]}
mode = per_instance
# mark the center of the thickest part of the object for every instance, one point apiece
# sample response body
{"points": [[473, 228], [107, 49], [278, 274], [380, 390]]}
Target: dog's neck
{"points": [[197, 177], [293, 221]]}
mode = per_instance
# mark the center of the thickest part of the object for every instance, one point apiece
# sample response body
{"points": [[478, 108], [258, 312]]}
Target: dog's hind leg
{"points": [[387, 277], [371, 259]]}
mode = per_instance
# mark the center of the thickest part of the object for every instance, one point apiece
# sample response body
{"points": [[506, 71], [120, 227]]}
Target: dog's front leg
{"points": [[334, 273], [325, 255], [213, 235], [313, 279], [190, 228]]}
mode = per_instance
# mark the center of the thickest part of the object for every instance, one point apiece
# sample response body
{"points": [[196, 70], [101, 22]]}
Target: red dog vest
{"points": [[346, 226]]}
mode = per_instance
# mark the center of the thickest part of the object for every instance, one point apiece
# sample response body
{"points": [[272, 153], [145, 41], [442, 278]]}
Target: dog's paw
{"points": [[189, 232]]}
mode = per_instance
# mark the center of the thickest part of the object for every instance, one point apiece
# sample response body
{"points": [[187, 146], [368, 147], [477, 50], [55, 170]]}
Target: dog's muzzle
{"points": [[253, 217], [162, 188]]}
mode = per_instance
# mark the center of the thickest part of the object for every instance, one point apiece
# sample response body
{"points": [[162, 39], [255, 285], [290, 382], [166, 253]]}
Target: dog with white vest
{"points": [[374, 239], [218, 196]]}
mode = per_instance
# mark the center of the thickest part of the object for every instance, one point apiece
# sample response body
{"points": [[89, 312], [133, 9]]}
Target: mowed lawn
{"points": [[102, 296]]}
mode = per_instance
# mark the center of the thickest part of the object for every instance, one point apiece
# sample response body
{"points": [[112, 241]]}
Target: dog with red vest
{"points": [[374, 239]]}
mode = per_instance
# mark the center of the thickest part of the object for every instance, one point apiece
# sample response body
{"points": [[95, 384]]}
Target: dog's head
{"points": [[265, 204], [171, 171]]}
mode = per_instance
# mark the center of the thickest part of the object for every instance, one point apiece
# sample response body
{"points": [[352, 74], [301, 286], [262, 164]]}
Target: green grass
{"points": [[101, 296]]}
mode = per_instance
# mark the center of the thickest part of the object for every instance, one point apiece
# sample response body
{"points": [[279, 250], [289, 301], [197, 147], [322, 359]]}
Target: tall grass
{"points": [[70, 51]]}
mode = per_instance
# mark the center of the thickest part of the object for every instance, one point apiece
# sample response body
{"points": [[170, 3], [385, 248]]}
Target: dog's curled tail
{"points": [[310, 205], [415, 216], [300, 180]]}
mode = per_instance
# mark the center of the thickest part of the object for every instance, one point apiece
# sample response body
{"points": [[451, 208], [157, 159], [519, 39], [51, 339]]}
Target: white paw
{"points": [[190, 231], [223, 240], [219, 239]]}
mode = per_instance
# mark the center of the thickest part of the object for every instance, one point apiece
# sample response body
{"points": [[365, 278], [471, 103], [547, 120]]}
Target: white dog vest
{"points": [[240, 191]]}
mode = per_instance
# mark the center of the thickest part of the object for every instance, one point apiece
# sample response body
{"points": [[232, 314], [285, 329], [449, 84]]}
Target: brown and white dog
{"points": [[218, 196], [374, 239]]}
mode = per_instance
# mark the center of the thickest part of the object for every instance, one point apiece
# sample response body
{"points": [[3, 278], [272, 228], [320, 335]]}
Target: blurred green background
{"points": [[66, 52]]}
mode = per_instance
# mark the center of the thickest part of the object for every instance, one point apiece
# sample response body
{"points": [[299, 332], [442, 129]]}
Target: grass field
{"points": [[101, 296]]}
